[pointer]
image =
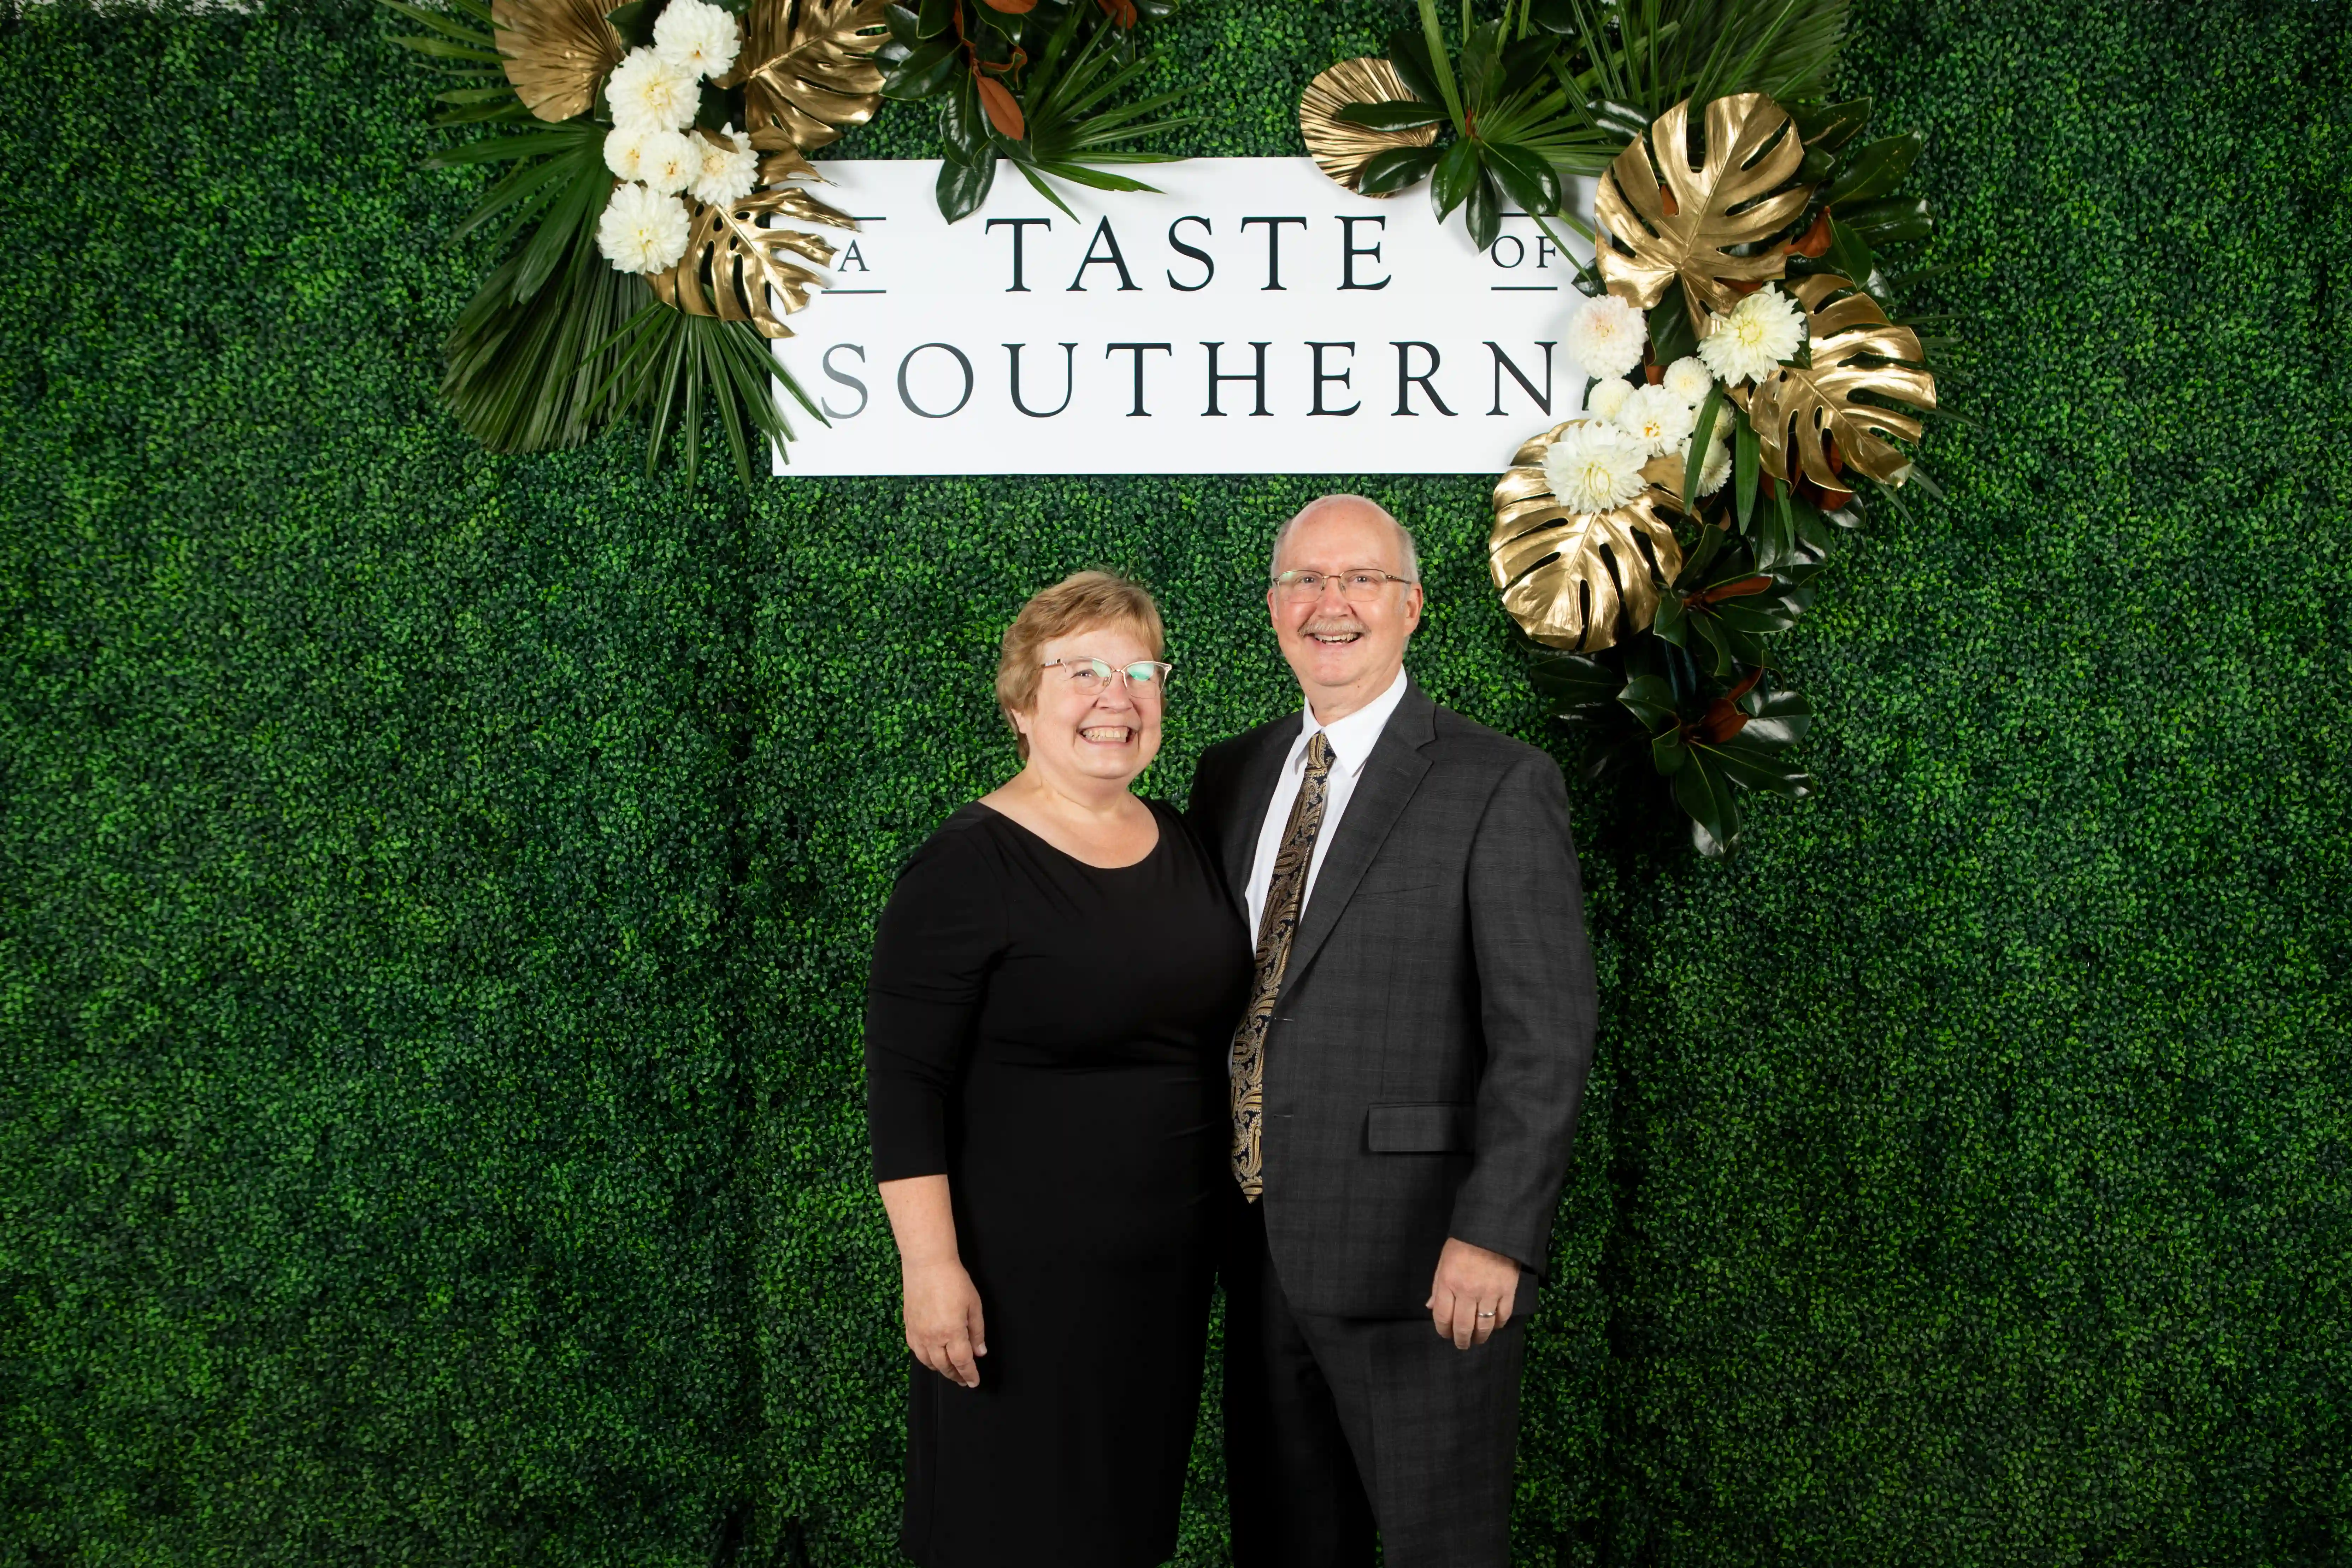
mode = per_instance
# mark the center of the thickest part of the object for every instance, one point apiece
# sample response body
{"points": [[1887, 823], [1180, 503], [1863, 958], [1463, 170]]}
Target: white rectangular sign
{"points": [[1253, 318]]}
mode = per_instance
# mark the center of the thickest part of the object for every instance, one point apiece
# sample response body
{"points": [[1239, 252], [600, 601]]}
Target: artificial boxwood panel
{"points": [[437, 887]]}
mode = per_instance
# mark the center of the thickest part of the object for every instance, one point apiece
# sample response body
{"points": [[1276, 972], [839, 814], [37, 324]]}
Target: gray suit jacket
{"points": [[1429, 1048]]}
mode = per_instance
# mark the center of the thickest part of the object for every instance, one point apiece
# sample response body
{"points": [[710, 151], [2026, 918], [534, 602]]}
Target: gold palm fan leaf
{"points": [[1686, 229], [807, 70], [1568, 577], [557, 52], [1798, 409], [739, 270], [1341, 150]]}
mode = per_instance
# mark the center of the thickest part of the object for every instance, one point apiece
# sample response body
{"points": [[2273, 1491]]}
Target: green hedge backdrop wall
{"points": [[437, 887]]}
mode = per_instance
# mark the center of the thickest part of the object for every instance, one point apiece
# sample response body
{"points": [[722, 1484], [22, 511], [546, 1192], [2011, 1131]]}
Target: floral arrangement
{"points": [[656, 218], [1750, 378]]}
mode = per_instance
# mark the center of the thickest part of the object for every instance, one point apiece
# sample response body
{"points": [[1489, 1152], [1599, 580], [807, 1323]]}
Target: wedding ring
{"points": [[1485, 1314]]}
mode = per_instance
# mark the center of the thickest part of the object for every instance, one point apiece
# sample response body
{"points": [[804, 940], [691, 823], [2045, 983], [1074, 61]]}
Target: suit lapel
{"points": [[1259, 773], [1390, 774]]}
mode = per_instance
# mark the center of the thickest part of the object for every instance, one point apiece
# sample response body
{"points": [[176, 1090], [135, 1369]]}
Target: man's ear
{"points": [[1412, 602]]}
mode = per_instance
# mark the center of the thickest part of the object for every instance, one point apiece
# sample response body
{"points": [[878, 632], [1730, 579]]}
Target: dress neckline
{"points": [[1149, 855]]}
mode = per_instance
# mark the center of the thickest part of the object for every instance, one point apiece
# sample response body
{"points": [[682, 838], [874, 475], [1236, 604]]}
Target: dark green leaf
{"points": [[1408, 52], [1746, 466], [906, 26], [1397, 168], [926, 71], [1705, 793], [1619, 119], [1876, 170], [934, 16], [1832, 125], [1849, 254], [1484, 212], [1650, 699], [1755, 767], [1524, 176], [1554, 15], [1671, 334], [635, 22], [964, 187], [1524, 61], [1574, 681], [1780, 719], [1895, 221], [1404, 116], [1456, 175]]}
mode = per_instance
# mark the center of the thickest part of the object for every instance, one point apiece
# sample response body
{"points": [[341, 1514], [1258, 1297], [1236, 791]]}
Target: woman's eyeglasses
{"points": [[1091, 676]]}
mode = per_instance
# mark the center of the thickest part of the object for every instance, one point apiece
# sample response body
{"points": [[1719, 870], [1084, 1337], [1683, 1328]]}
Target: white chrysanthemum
{"points": [[672, 160], [697, 36], [1593, 468], [642, 230], [1747, 345], [730, 168], [1605, 336], [1687, 379], [1604, 398], [624, 153], [649, 93], [1716, 467], [1657, 418]]}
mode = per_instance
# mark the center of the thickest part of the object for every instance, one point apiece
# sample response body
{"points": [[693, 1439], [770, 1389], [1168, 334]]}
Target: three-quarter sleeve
{"points": [[941, 935]]}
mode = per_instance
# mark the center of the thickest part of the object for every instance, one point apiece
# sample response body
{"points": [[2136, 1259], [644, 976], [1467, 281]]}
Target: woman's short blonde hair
{"points": [[1079, 602]]}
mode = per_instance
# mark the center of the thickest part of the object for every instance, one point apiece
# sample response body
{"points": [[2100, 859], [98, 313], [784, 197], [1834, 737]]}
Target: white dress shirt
{"points": [[1352, 739]]}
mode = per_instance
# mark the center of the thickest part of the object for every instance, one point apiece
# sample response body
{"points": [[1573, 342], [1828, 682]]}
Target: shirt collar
{"points": [[1353, 737]]}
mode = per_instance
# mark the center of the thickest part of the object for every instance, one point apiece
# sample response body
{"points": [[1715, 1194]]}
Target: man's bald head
{"points": [[1408, 563]]}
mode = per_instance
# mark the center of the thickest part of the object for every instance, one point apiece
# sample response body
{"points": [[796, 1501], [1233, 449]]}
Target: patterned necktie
{"points": [[1283, 895]]}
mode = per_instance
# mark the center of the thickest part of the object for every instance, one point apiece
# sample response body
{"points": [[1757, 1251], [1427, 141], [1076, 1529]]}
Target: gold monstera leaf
{"points": [[1798, 409], [807, 70], [1567, 576], [738, 269], [557, 52], [1341, 150], [1686, 230]]}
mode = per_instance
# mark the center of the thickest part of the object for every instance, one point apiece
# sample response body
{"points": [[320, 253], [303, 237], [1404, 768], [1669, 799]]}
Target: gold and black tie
{"points": [[1283, 895]]}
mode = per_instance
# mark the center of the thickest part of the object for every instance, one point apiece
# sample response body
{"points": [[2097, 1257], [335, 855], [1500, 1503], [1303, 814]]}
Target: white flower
{"points": [[671, 161], [1606, 397], [649, 93], [1658, 418], [1717, 467], [642, 230], [1747, 345], [1593, 468], [624, 153], [698, 37], [1687, 379], [730, 168], [1605, 336]]}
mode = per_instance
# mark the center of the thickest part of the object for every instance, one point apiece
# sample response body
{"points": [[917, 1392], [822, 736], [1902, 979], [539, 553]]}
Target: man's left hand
{"points": [[1472, 1293]]}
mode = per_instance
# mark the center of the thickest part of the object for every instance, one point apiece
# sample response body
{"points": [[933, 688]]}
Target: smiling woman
{"points": [[1054, 983]]}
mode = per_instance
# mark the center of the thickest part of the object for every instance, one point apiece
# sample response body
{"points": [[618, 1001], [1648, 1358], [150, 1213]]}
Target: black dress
{"points": [[1053, 1035]]}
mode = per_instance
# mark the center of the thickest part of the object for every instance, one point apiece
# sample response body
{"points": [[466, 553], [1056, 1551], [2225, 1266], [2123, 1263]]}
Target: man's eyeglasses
{"points": [[1091, 676], [1362, 585]]}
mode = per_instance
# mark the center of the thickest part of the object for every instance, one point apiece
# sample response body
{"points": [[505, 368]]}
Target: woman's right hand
{"points": [[943, 1322]]}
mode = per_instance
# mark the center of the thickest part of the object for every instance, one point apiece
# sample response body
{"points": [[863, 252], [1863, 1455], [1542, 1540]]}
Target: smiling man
{"points": [[1404, 1083]]}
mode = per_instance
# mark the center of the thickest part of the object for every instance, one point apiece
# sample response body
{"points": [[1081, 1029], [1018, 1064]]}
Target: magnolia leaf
{"points": [[557, 52], [1818, 400], [1567, 577], [1686, 230], [807, 70], [1341, 149], [738, 271]]}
